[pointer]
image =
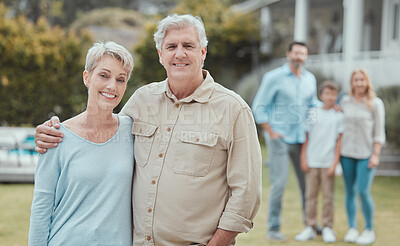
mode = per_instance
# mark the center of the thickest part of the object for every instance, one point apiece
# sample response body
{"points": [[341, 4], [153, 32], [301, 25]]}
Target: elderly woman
{"points": [[363, 136], [82, 193]]}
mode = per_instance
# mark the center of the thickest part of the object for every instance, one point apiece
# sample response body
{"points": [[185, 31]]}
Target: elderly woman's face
{"points": [[106, 83], [359, 83]]}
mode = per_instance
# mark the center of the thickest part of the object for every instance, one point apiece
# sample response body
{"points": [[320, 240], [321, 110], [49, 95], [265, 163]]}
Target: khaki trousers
{"points": [[316, 178]]}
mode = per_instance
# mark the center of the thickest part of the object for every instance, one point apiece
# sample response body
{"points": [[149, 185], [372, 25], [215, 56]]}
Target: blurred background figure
{"points": [[280, 107], [363, 137]]}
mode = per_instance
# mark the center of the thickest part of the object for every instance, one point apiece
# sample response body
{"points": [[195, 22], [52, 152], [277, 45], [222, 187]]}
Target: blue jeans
{"points": [[278, 164], [358, 178]]}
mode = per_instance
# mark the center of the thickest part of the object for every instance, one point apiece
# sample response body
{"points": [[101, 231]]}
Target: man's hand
{"points": [[267, 128], [275, 135], [222, 238], [47, 137]]}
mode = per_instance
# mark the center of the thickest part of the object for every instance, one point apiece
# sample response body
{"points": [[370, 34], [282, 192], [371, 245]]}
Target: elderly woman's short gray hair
{"points": [[100, 49], [176, 21]]}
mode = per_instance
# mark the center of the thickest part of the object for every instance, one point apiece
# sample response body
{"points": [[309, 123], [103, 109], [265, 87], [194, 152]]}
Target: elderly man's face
{"points": [[181, 55], [297, 56]]}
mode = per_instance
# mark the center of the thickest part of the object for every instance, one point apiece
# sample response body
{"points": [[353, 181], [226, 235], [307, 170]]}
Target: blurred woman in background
{"points": [[363, 137]]}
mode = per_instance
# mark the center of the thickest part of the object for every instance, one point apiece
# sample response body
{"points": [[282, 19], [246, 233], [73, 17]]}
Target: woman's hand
{"points": [[373, 161]]}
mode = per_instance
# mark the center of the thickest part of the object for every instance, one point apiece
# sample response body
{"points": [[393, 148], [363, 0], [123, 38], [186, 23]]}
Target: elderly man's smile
{"points": [[180, 64]]}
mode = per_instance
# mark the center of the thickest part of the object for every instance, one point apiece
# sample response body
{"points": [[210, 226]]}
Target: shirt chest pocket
{"points": [[144, 139], [194, 153]]}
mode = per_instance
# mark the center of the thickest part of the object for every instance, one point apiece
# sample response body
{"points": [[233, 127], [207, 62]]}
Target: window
{"points": [[396, 20]]}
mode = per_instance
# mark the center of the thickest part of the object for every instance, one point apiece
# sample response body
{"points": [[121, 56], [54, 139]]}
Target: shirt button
{"points": [[149, 210], [176, 105], [148, 238], [153, 182], [169, 129], [197, 139], [141, 130], [160, 155]]}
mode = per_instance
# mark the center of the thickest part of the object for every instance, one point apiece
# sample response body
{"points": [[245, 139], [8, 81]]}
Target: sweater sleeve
{"points": [[46, 177], [379, 121]]}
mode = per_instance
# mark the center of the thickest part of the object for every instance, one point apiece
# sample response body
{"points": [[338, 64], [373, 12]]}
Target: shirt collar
{"points": [[289, 71], [202, 94]]}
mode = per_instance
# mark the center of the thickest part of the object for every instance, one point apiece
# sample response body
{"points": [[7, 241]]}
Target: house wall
{"points": [[325, 26], [382, 67], [376, 55], [325, 41], [388, 25]]}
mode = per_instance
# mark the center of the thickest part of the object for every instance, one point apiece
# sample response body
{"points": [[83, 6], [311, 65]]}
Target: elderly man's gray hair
{"points": [[176, 21], [100, 49]]}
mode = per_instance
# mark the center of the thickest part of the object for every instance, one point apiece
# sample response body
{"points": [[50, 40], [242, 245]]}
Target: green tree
{"points": [[34, 9], [147, 66], [231, 36], [40, 71], [61, 12], [110, 19]]}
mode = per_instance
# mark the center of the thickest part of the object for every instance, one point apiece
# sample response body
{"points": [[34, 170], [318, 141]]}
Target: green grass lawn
{"points": [[15, 202], [386, 193]]}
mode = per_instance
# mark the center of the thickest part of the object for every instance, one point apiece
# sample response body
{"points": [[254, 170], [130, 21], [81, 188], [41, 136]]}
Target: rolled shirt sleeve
{"points": [[243, 175], [262, 100]]}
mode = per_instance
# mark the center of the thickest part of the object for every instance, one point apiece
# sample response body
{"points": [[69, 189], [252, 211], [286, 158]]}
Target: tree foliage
{"points": [[40, 71], [62, 12], [231, 36], [147, 66]]}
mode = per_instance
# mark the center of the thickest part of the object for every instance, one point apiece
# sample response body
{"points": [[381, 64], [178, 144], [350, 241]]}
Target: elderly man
{"points": [[197, 178], [280, 106]]}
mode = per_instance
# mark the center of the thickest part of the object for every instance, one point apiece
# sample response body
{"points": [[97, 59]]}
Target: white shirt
{"points": [[323, 127]]}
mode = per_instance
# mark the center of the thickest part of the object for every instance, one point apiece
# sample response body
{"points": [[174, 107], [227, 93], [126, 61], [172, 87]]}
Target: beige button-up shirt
{"points": [[362, 127], [198, 164]]}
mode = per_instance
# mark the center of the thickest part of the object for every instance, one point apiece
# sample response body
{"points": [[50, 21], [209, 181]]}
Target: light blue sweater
{"points": [[82, 193]]}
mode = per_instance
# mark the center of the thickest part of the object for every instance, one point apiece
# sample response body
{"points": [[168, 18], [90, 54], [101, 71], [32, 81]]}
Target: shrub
{"points": [[40, 71], [391, 97]]}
